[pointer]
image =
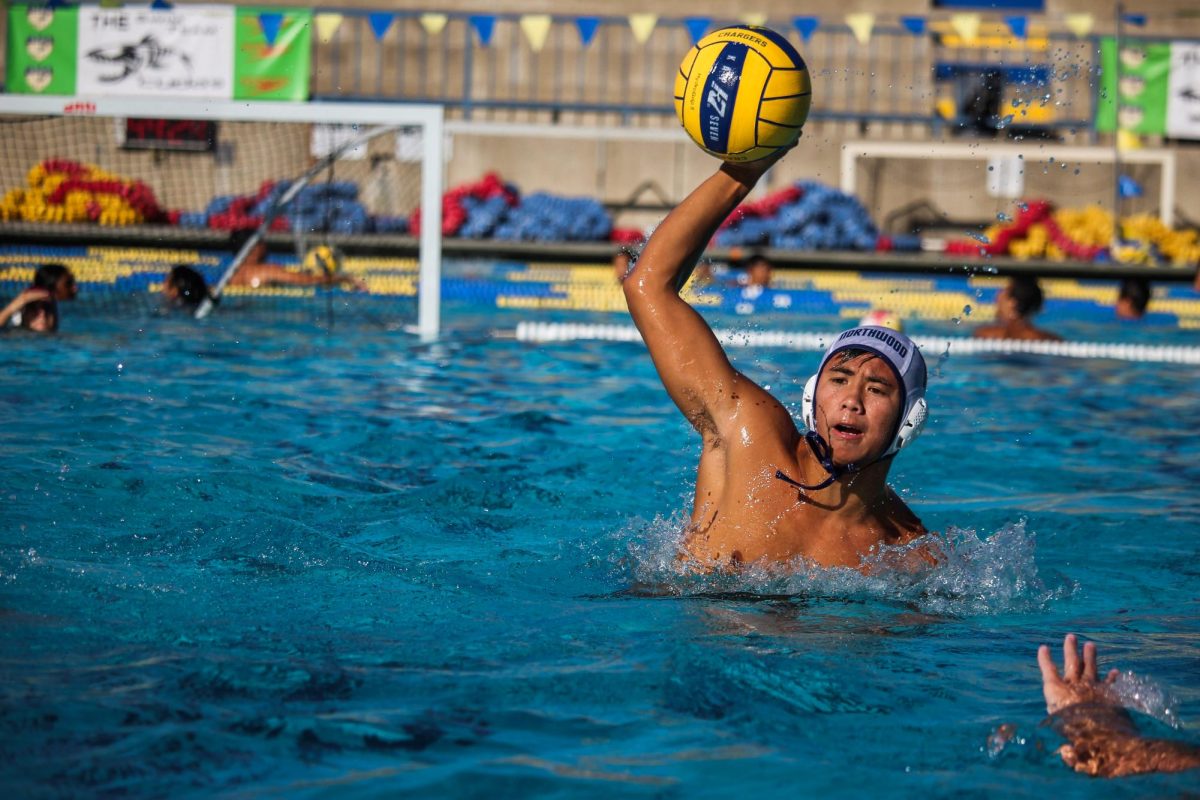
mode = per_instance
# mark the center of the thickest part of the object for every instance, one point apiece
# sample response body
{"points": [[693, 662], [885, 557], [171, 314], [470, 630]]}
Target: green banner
{"points": [[41, 49], [1133, 86], [263, 70]]}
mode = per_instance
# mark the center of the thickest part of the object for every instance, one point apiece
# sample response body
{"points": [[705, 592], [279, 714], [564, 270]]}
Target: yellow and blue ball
{"points": [[742, 93]]}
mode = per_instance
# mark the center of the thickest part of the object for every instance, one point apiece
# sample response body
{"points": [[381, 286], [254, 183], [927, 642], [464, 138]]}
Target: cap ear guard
{"points": [[912, 426], [808, 402]]}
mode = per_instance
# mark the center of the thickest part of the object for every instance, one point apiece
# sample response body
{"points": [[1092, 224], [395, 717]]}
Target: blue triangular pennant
{"points": [[484, 25], [697, 27], [380, 22], [1019, 25], [806, 26], [1128, 187], [914, 25], [270, 21], [587, 28]]}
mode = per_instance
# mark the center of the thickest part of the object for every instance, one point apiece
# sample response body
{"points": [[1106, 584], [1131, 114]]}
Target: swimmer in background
{"points": [[36, 308], [185, 288], [764, 491], [256, 273], [57, 280], [1016, 306], [1102, 739], [32, 310], [755, 270], [1132, 298], [29, 302]]}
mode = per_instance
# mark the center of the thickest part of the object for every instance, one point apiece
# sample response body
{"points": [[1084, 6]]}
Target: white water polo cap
{"points": [[906, 361]]}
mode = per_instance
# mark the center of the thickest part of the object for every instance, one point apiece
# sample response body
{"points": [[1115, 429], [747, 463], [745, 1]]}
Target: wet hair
{"points": [[189, 285], [851, 353], [47, 276], [36, 308], [1026, 293], [1137, 292]]}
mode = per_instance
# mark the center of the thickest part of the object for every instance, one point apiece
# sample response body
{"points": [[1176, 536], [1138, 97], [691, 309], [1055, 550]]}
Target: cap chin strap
{"points": [[824, 455]]}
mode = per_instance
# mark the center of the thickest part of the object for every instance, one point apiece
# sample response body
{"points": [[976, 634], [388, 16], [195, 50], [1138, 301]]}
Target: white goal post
{"points": [[428, 119]]}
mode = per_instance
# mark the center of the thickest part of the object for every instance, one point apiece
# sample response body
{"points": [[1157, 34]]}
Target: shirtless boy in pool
{"points": [[764, 491]]}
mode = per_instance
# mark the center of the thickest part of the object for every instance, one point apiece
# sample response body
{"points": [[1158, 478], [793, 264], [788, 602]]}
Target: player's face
{"points": [[66, 288], [857, 404], [1006, 306], [44, 321]]}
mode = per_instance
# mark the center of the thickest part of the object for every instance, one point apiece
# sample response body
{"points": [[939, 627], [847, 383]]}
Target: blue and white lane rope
{"points": [[804, 340]]}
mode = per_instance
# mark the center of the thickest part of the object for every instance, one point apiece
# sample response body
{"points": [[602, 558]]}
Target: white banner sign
{"points": [[1183, 91], [329, 136], [185, 51]]}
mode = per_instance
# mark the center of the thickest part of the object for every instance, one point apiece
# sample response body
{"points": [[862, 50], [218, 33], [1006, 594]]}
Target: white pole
{"points": [[429, 289]]}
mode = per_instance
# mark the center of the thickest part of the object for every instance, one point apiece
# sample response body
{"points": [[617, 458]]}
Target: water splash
{"points": [[975, 575], [1142, 694]]}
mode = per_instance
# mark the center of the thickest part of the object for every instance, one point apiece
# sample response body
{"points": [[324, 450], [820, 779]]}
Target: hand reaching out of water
{"points": [[1102, 740], [1079, 682]]}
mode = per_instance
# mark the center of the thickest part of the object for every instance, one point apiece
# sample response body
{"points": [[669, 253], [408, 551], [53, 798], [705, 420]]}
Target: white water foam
{"points": [[975, 575]]}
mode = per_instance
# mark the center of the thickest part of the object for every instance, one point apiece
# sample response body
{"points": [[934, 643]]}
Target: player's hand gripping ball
{"points": [[742, 93]]}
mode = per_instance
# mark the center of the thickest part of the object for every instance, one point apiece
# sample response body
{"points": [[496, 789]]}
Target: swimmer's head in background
{"points": [[323, 260], [1022, 297], [40, 316], [185, 287], [56, 279], [906, 361]]}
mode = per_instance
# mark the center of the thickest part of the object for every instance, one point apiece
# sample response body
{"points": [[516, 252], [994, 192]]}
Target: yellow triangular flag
{"points": [[755, 18], [536, 28], [966, 26], [327, 25], [1080, 24], [433, 23], [643, 26], [861, 25], [1128, 140]]}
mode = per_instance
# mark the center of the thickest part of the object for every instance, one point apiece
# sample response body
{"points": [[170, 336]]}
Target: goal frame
{"points": [[428, 117]]}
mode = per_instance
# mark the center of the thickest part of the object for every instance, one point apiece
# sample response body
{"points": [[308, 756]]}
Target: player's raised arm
{"points": [[689, 359]]}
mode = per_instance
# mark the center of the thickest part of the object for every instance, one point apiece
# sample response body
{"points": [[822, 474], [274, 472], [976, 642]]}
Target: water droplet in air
{"points": [[1003, 217], [967, 310]]}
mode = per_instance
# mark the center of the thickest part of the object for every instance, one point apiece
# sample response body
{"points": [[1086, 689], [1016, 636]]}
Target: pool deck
{"points": [[587, 252]]}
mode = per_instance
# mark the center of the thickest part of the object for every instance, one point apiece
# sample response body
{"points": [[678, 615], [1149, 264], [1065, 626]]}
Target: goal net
{"points": [[348, 188]]}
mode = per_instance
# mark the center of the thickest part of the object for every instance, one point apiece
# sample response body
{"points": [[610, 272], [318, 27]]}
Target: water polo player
{"points": [[764, 491]]}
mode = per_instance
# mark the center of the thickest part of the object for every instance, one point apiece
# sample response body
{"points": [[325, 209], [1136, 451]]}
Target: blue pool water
{"points": [[255, 557]]}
